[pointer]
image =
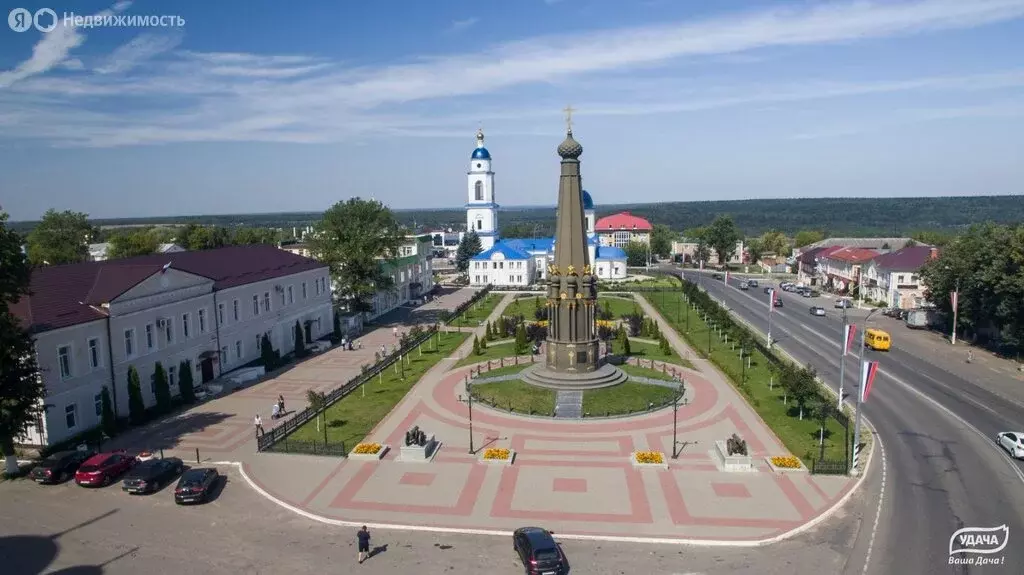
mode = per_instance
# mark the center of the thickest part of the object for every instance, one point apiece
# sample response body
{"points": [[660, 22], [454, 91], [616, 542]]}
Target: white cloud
{"points": [[909, 116], [460, 25], [140, 49], [296, 98]]}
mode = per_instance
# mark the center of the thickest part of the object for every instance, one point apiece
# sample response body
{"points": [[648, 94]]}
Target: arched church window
{"points": [[479, 224], [479, 191]]}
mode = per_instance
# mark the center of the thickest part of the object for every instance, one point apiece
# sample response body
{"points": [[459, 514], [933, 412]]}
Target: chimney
{"points": [[933, 253]]}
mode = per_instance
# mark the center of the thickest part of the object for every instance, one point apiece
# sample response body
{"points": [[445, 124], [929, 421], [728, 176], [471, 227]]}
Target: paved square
{"points": [[389, 486], [420, 479], [730, 490], [569, 485], [692, 494]]}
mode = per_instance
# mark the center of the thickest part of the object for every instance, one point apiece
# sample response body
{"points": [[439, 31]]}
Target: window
{"points": [[282, 297], [220, 313], [97, 401], [169, 330], [238, 349], [224, 354], [256, 305], [266, 301], [202, 321], [172, 376], [150, 337], [234, 308], [94, 352], [291, 295], [303, 290], [64, 359], [478, 191], [129, 342], [184, 325], [71, 416], [479, 224]]}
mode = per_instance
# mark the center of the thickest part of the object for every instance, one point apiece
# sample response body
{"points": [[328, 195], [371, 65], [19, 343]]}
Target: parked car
{"points": [[718, 276], [195, 485], [817, 310], [744, 285], [152, 475], [539, 552], [1012, 442], [778, 302], [753, 283], [103, 468], [843, 303], [59, 466], [767, 289], [787, 286]]}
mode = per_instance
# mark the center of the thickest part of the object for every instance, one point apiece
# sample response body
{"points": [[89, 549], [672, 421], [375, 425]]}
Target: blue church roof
{"points": [[503, 248], [588, 202], [610, 253], [531, 244], [481, 154]]}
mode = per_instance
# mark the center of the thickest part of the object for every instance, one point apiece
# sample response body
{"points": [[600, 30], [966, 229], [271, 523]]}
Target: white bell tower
{"points": [[482, 207]]}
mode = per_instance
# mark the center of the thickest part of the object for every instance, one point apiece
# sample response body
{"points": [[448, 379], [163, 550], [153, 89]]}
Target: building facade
{"points": [[412, 275], [91, 322], [482, 206], [618, 230], [895, 278]]}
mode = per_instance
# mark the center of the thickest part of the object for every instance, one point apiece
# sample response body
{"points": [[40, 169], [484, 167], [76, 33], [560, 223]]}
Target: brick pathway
{"points": [[572, 476]]}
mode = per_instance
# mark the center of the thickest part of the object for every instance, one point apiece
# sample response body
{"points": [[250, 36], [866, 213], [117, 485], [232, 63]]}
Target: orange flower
{"points": [[497, 454], [786, 462], [367, 448], [653, 457]]}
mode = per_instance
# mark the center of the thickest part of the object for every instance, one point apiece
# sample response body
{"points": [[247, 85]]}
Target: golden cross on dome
{"points": [[568, 116]]}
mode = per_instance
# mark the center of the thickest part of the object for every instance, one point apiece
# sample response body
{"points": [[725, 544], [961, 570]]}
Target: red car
{"points": [[101, 469]]}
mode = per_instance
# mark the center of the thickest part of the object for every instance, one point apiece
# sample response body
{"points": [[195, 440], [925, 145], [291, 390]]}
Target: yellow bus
{"points": [[877, 339]]}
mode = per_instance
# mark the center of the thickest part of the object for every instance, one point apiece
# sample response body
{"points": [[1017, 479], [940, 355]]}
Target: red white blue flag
{"points": [[771, 300], [848, 337], [726, 278], [867, 377]]}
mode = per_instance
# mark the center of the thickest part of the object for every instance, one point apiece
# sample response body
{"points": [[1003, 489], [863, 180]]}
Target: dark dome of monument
{"points": [[570, 149]]}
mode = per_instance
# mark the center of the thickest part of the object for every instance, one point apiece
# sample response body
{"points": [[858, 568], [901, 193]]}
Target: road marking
{"points": [[878, 510]]}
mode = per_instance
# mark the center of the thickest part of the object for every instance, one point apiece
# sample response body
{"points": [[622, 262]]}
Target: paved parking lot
{"points": [[66, 529]]}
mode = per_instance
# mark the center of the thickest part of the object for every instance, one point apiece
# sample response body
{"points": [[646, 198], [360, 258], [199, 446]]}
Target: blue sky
{"points": [[263, 106]]}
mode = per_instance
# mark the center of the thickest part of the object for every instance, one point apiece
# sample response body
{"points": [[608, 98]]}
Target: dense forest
{"points": [[836, 216]]}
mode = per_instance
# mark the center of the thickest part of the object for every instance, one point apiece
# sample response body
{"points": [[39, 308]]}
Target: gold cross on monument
{"points": [[568, 116]]}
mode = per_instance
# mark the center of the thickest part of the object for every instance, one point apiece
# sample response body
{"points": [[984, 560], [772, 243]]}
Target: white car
{"points": [[1012, 442], [818, 311], [843, 302]]}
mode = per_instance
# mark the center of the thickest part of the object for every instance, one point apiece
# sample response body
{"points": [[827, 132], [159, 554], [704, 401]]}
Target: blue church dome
{"points": [[481, 154], [588, 202]]}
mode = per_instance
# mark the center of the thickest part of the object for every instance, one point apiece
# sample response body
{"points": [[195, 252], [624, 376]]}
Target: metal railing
{"points": [[829, 466]]}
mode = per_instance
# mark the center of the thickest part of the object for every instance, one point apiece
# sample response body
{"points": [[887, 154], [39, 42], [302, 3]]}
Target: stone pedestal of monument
{"points": [[419, 453]]}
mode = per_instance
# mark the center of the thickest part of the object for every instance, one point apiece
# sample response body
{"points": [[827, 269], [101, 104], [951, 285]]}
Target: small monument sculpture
{"points": [[418, 447], [733, 454], [736, 446]]}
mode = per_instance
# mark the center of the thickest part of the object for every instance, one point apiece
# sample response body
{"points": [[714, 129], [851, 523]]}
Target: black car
{"points": [[150, 476], [767, 289], [778, 302], [195, 485], [539, 552], [59, 466], [753, 283]]}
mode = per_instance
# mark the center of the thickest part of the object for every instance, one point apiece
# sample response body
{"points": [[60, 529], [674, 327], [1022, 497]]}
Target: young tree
{"points": [[476, 346], [722, 236], [661, 240], [624, 341], [336, 337], [317, 400], [300, 341], [162, 388], [468, 247], [60, 238], [522, 342], [267, 355], [130, 244], [352, 238], [21, 390], [107, 419], [636, 254], [186, 385], [822, 412], [136, 406]]}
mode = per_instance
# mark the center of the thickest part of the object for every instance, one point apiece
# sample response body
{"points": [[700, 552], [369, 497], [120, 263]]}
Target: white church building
{"points": [[517, 262]]}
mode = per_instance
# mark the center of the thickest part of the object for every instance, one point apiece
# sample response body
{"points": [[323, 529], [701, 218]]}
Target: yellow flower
{"points": [[605, 323], [786, 461], [367, 448], [655, 457], [497, 454]]}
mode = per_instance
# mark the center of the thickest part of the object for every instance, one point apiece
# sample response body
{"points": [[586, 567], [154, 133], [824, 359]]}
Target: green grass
{"points": [[478, 312], [508, 369], [626, 285], [492, 352], [519, 395], [352, 418], [628, 397], [645, 372], [644, 350], [527, 306], [799, 436]]}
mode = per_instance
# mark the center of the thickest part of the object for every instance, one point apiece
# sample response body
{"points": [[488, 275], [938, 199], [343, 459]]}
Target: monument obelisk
{"points": [[572, 355]]}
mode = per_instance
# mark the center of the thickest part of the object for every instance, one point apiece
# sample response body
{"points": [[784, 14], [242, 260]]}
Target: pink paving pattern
{"points": [[569, 485], [420, 479], [730, 490]]}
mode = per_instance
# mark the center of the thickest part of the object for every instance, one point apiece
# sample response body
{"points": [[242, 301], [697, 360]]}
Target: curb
{"points": [[561, 534]]}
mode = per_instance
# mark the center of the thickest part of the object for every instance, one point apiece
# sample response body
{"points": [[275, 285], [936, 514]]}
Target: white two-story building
{"points": [[412, 275], [92, 321], [895, 278]]}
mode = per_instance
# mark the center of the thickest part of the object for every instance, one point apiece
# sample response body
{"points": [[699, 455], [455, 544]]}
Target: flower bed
{"points": [[370, 451], [785, 463], [497, 456], [649, 459]]}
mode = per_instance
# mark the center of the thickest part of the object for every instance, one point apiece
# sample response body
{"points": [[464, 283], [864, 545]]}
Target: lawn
{"points": [[628, 397], [645, 350], [645, 372], [526, 306], [517, 395], [492, 352], [799, 436], [627, 285], [478, 312], [352, 418]]}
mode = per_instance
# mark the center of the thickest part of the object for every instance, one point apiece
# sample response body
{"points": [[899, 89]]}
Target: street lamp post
{"points": [[469, 400], [860, 392], [675, 411], [842, 360], [956, 308]]}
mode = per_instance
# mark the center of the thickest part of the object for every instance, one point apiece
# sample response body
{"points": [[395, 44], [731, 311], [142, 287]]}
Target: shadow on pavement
{"points": [[166, 434], [32, 554]]}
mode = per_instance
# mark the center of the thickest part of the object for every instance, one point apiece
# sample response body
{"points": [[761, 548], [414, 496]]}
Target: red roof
{"points": [[622, 221], [852, 255], [908, 259], [63, 295]]}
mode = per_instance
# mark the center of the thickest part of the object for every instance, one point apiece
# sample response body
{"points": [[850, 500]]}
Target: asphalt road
{"points": [[70, 530], [945, 471]]}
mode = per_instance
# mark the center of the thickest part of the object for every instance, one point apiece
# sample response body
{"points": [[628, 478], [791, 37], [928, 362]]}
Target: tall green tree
{"points": [[267, 355], [162, 388], [807, 237], [661, 240], [108, 421], [703, 251], [21, 388], [468, 247], [136, 405], [636, 254], [755, 249], [60, 238], [353, 238], [247, 235], [300, 341], [196, 237], [722, 236], [186, 385], [134, 243], [522, 341], [774, 242]]}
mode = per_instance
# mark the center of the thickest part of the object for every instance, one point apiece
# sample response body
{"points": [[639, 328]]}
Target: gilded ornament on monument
{"points": [[553, 269], [586, 270], [572, 270], [579, 296], [564, 296]]}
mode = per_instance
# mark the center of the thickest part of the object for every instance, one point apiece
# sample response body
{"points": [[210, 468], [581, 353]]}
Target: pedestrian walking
{"points": [[259, 425], [363, 537], [394, 330]]}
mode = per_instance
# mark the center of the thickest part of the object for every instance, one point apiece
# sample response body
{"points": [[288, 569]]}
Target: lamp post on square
{"points": [[675, 412]]}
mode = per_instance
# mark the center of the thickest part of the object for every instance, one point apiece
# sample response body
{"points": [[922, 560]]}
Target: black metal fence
{"points": [[829, 466], [274, 437], [455, 313]]}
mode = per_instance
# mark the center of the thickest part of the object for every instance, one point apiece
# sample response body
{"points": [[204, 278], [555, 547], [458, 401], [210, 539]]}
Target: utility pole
{"points": [[860, 392], [956, 308]]}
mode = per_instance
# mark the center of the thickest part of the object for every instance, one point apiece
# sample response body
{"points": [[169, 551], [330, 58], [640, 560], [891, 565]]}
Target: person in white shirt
{"points": [[259, 425]]}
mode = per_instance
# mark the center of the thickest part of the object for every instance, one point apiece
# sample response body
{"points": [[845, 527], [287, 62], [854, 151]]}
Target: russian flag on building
{"points": [[867, 377], [848, 337]]}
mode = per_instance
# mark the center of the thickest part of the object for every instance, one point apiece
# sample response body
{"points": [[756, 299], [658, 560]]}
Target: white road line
{"points": [[878, 510]]}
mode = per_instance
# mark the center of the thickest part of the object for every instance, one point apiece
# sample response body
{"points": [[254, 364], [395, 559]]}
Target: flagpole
{"points": [[842, 359], [771, 310], [956, 307], [860, 392]]}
